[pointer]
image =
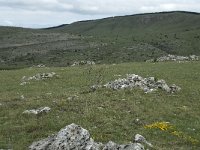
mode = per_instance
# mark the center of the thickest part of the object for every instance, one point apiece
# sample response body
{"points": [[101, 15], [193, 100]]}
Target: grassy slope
{"points": [[172, 32], [107, 114], [110, 40], [25, 47]]}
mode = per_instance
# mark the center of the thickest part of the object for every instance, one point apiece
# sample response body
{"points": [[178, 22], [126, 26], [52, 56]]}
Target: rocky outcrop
{"points": [[148, 85], [81, 63], [40, 76], [175, 58], [77, 138], [38, 111]]}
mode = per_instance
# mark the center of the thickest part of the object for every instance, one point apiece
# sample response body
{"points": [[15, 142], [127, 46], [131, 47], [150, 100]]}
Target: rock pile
{"points": [[176, 58], [40, 66], [39, 76], [146, 84], [81, 63], [77, 138], [37, 111]]}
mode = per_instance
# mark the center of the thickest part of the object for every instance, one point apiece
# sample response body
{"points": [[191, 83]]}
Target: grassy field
{"points": [[107, 114]]}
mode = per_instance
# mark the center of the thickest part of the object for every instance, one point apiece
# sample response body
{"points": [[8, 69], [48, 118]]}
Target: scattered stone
{"points": [[39, 76], [41, 66], [72, 97], [137, 121], [75, 137], [1, 104], [100, 108], [194, 57], [148, 85], [37, 111], [48, 93], [38, 66], [95, 87], [140, 139], [132, 146], [174, 88], [175, 58], [22, 97], [81, 63], [117, 75], [24, 83]]}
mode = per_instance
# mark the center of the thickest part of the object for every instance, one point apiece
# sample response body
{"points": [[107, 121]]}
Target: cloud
{"points": [[8, 23], [41, 13]]}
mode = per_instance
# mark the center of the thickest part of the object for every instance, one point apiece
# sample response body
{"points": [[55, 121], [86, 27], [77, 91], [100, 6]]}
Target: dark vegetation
{"points": [[109, 40]]}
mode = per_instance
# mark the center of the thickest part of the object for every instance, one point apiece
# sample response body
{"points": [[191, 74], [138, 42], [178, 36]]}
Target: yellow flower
{"points": [[177, 133], [160, 125], [166, 126]]}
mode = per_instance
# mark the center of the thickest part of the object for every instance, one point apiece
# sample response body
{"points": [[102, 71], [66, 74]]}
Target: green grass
{"points": [[107, 114]]}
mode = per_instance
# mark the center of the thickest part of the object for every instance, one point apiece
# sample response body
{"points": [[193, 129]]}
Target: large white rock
{"points": [[76, 138], [68, 138]]}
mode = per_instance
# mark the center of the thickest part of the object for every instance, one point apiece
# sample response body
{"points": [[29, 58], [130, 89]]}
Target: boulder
{"points": [[77, 138], [70, 137]]}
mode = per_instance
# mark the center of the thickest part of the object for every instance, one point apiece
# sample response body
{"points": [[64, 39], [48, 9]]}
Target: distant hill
{"points": [[173, 32], [110, 40]]}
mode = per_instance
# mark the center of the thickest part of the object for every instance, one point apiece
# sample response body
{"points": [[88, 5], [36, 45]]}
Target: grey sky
{"points": [[44, 13]]}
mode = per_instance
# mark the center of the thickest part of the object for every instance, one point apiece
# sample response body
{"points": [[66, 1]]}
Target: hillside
{"points": [[172, 32], [25, 47], [110, 40]]}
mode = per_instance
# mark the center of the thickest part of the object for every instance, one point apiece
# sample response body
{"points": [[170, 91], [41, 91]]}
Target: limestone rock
{"points": [[41, 66], [140, 139], [81, 63], [24, 83], [111, 146], [176, 58], [132, 146], [174, 88], [37, 111], [40, 76], [95, 87], [77, 138], [148, 85], [70, 137]]}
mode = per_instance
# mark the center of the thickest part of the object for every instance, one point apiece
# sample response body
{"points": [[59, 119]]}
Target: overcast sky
{"points": [[45, 13]]}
